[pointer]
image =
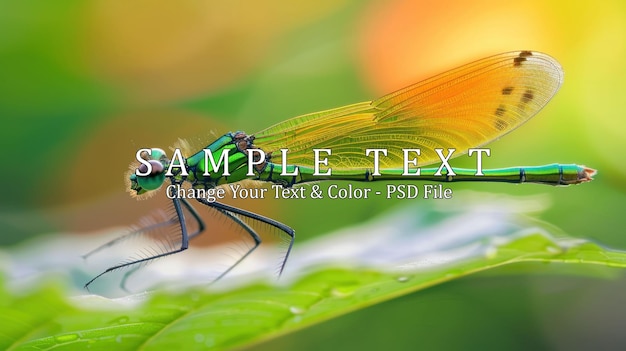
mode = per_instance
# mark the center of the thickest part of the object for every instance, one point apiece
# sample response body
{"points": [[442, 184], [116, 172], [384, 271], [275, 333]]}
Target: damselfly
{"points": [[464, 108]]}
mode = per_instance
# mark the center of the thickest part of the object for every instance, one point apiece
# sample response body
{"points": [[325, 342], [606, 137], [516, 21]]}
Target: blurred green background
{"points": [[84, 84]]}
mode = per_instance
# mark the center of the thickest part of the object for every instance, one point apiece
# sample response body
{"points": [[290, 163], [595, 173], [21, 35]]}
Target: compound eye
{"points": [[155, 179], [157, 167]]}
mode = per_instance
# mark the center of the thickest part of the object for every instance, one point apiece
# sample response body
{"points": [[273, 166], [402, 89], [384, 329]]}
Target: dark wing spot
{"points": [[500, 124], [525, 53], [527, 97], [500, 111], [507, 91], [521, 57]]}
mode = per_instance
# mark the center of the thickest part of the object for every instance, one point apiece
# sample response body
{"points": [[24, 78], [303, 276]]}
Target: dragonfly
{"points": [[463, 108]]}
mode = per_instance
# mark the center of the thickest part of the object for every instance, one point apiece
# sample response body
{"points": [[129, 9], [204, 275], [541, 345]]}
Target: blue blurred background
{"points": [[84, 84]]}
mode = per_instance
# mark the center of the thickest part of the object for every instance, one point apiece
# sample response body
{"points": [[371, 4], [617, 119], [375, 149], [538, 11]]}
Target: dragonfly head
{"points": [[150, 174]]}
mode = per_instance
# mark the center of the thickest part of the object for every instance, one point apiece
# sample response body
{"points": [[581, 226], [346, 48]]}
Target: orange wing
{"points": [[463, 108]]}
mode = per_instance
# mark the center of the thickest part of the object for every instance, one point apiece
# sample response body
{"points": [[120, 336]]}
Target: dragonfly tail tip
{"points": [[587, 173]]}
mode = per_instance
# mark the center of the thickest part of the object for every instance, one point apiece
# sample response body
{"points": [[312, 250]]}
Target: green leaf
{"points": [[201, 318]]}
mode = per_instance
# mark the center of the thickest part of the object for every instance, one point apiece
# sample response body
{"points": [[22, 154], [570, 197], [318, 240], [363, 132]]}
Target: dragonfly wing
{"points": [[466, 107]]}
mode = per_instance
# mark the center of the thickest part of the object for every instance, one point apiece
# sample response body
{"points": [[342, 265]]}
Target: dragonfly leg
{"points": [[183, 246], [201, 227], [234, 212], [136, 232], [251, 232], [194, 215]]}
